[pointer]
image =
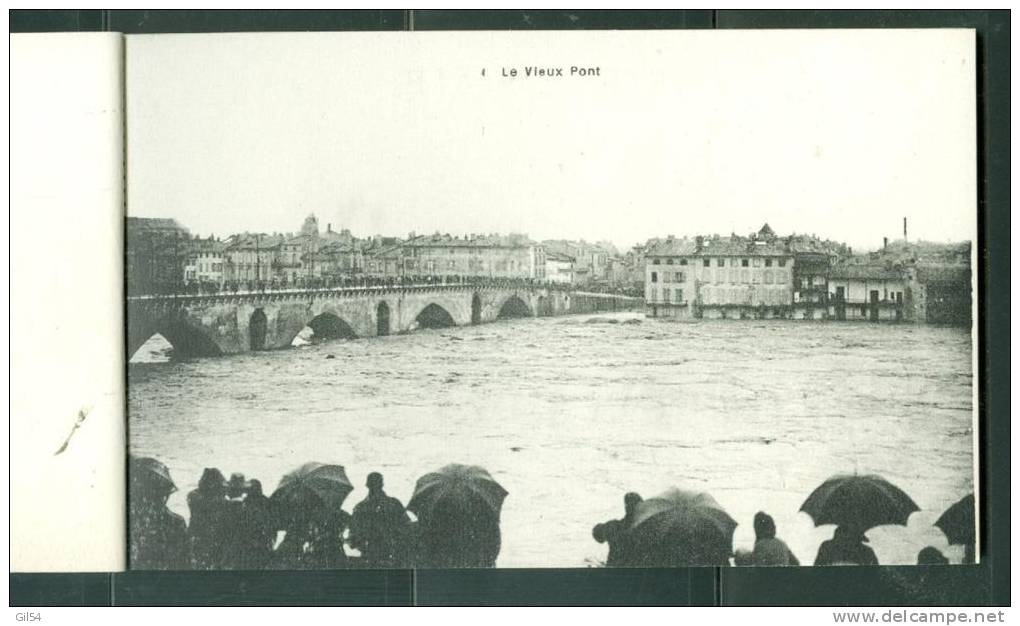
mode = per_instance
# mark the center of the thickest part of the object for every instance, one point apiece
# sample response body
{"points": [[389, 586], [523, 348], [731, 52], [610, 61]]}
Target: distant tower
{"points": [[311, 226]]}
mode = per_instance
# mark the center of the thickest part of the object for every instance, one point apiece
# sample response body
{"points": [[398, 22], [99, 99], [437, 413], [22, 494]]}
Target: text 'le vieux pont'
{"points": [[532, 71]]}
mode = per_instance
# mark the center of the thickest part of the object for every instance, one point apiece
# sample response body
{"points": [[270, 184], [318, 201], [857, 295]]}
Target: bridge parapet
{"points": [[305, 293]]}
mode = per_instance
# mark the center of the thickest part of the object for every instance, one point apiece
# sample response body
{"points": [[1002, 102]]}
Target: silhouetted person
{"points": [[208, 506], [290, 554], [846, 548], [458, 533], [237, 488], [743, 557], [684, 546], [233, 545], [256, 529], [159, 537], [325, 549], [769, 549], [379, 526], [621, 552], [931, 556]]}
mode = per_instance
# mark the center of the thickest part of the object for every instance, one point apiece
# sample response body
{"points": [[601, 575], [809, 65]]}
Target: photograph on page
{"points": [[551, 299]]}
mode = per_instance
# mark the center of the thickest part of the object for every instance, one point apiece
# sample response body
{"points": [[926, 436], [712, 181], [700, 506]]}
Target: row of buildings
{"points": [[163, 256], [763, 276]]}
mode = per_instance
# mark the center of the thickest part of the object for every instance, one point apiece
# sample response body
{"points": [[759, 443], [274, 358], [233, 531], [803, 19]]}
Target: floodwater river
{"points": [[569, 413]]}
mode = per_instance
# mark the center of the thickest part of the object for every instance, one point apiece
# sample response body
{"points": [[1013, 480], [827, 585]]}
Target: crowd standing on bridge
{"points": [[234, 525]]}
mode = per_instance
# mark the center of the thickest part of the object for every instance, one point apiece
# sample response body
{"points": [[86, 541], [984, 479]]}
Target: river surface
{"points": [[570, 413]]}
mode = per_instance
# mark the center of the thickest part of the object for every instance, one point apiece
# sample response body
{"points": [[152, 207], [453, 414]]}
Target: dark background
{"points": [[984, 584]]}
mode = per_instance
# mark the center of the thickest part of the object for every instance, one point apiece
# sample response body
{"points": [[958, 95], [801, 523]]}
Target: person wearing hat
{"points": [[208, 506], [769, 549], [614, 532], [158, 537], [258, 527], [846, 548], [237, 487], [234, 545], [380, 527]]}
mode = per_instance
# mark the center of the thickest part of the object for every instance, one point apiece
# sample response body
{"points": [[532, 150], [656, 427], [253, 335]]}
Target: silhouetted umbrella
{"points": [[150, 475], [467, 484], [957, 522], [311, 486], [859, 502], [690, 517]]}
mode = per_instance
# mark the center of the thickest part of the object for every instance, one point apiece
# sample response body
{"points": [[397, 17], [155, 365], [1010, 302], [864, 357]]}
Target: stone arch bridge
{"points": [[229, 323]]}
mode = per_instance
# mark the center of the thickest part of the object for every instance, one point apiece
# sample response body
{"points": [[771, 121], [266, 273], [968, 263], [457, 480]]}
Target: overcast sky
{"points": [[838, 133]]}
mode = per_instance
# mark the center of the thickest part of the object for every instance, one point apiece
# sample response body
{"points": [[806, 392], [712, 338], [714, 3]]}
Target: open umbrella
{"points": [[467, 485], [859, 502], [150, 476], [313, 486], [957, 522], [679, 527]]}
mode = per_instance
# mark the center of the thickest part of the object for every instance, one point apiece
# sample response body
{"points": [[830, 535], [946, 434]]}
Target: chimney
{"points": [[885, 243], [904, 229], [329, 227], [699, 243]]}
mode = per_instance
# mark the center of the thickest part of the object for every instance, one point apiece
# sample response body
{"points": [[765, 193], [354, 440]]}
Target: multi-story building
{"points": [[338, 259], [591, 261], [290, 263], [304, 255], [719, 277], [634, 267], [253, 257], [205, 261], [559, 268], [620, 273], [940, 293], [156, 254], [382, 257], [492, 256], [860, 291]]}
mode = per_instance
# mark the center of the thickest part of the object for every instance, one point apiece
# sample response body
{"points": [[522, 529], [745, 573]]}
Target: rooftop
{"points": [[733, 245], [861, 271], [469, 241], [165, 224], [253, 241], [559, 257]]}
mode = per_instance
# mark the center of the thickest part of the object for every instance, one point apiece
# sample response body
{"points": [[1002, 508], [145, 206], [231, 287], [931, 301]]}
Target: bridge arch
{"points": [[153, 345], [514, 307], [327, 325], [434, 316], [186, 339]]}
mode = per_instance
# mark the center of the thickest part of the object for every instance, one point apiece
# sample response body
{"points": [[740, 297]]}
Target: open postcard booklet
{"points": [[493, 299]]}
